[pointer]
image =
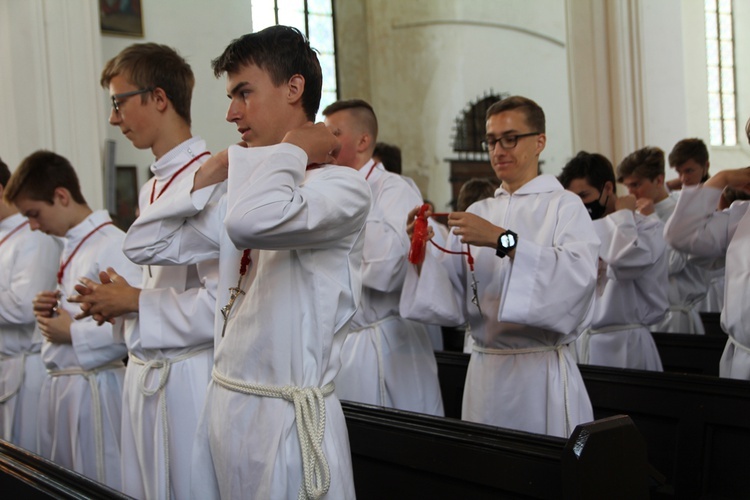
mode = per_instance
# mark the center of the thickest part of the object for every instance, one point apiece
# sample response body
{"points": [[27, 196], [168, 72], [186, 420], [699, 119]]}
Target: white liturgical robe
{"points": [[81, 401], [522, 374], [170, 344], [286, 328], [631, 293], [387, 360], [696, 227], [28, 264], [688, 284]]}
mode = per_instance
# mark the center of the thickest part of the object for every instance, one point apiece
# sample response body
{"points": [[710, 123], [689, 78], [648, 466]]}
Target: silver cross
{"points": [[234, 294], [475, 298]]}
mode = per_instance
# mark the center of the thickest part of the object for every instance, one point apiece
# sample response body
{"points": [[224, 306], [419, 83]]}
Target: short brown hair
{"points": [[362, 111], [474, 190], [688, 149], [151, 65], [390, 156], [4, 173], [39, 175], [531, 110], [647, 163], [283, 52]]}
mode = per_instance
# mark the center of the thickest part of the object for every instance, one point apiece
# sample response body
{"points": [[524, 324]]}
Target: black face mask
{"points": [[596, 209]]}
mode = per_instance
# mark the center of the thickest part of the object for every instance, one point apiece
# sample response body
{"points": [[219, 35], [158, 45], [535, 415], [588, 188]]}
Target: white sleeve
{"points": [[271, 205], [183, 228]]}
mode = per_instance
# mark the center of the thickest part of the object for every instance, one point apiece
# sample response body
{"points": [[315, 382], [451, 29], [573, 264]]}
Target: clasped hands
{"points": [[107, 300]]}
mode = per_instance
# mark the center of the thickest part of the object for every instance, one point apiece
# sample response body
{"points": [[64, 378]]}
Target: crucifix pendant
{"points": [[234, 293], [475, 297]]}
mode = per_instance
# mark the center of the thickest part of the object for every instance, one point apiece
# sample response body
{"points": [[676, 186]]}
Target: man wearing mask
{"points": [[631, 288]]}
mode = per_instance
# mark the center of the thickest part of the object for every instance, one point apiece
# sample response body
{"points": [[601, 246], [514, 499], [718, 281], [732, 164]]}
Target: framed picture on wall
{"points": [[121, 17], [126, 196]]}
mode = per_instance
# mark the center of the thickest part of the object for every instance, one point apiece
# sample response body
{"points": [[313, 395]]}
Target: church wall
{"points": [[429, 59]]}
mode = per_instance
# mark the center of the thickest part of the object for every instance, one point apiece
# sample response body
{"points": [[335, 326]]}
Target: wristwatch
{"points": [[505, 243]]}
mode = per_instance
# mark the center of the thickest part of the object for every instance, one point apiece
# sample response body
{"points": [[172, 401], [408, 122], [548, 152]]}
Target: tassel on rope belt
{"points": [[378, 351], [310, 419], [163, 365], [583, 342], [530, 350], [90, 376]]}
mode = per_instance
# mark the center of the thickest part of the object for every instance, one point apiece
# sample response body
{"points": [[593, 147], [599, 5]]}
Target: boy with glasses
{"points": [[287, 230], [533, 251], [170, 340]]}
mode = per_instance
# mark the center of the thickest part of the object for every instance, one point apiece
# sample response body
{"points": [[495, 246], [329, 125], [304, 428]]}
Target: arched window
{"points": [[314, 18], [720, 63]]}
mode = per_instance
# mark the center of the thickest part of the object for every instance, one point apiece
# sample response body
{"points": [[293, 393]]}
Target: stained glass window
{"points": [[314, 18], [720, 63]]}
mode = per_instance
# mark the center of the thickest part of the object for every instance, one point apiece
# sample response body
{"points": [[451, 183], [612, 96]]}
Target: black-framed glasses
{"points": [[116, 97], [506, 141]]}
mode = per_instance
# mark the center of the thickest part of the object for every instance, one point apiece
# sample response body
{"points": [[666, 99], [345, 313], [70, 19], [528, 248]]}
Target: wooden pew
{"points": [[683, 353], [397, 454], [712, 323], [406, 455], [31, 477], [696, 428]]}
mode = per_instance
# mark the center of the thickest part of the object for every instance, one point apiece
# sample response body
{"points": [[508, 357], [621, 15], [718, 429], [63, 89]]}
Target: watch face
{"points": [[508, 240]]}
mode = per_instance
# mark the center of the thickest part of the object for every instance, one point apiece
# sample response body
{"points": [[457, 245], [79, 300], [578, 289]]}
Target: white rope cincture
{"points": [[90, 376], [584, 340], [163, 365], [378, 352], [738, 345], [5, 397], [688, 311], [310, 417], [530, 350]]}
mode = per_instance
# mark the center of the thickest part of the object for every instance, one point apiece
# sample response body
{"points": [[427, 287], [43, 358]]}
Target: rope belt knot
{"points": [[378, 337], [545, 348], [584, 340], [310, 419], [738, 345], [96, 406], [163, 365]]}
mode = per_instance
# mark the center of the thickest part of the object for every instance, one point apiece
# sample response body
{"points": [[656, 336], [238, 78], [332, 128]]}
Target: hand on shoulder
{"points": [[316, 140]]}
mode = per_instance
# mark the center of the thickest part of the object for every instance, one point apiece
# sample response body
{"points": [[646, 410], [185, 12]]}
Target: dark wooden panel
{"points": [[695, 426], [698, 354], [399, 454], [29, 476]]}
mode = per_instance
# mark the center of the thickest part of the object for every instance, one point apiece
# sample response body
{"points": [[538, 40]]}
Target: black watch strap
{"points": [[505, 243]]}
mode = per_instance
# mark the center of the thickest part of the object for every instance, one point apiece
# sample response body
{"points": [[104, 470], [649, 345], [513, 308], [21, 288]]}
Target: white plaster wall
{"points": [[428, 59], [49, 51], [199, 30]]}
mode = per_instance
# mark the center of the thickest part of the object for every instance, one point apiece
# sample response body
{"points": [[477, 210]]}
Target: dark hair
{"points": [[688, 149], [646, 163], [531, 110], [390, 156], [151, 65], [281, 51], [39, 175], [4, 173], [596, 169], [474, 190], [361, 110]]}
